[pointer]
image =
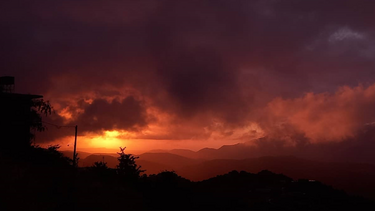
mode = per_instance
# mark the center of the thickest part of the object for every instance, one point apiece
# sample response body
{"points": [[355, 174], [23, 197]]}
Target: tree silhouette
{"points": [[101, 171], [100, 165], [39, 107], [127, 168]]}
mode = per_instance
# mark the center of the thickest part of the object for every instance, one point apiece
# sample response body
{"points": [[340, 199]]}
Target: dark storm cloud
{"points": [[128, 114], [192, 59], [198, 81]]}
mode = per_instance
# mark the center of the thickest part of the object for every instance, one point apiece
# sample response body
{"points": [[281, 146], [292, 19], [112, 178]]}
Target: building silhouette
{"points": [[15, 116]]}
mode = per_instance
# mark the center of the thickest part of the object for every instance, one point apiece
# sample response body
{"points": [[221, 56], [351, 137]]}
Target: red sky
{"points": [[170, 74]]}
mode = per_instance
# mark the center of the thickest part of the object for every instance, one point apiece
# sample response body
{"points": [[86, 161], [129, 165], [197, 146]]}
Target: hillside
{"points": [[153, 163], [352, 177], [332, 152], [172, 160]]}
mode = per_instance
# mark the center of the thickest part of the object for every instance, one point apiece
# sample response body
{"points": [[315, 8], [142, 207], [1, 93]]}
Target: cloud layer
{"points": [[322, 117], [197, 70]]}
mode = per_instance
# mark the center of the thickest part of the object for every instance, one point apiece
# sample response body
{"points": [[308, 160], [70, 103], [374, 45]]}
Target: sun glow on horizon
{"points": [[110, 139]]}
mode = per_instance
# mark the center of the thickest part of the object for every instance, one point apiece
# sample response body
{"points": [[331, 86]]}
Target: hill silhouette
{"points": [[172, 160], [355, 178], [269, 191], [348, 176], [153, 163], [91, 159], [331, 151], [45, 179], [149, 166], [82, 154]]}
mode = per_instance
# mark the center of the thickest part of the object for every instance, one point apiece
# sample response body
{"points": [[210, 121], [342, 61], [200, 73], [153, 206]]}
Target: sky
{"points": [[164, 74]]}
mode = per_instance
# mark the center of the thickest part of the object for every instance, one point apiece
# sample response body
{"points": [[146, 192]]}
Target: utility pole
{"points": [[75, 139], [75, 147]]}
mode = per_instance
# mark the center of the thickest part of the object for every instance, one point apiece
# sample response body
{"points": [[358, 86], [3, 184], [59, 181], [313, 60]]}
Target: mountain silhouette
{"points": [[352, 177], [355, 178], [172, 160], [327, 151], [91, 159]]}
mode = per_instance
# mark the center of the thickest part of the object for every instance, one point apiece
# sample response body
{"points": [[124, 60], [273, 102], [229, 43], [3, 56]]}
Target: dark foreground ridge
{"points": [[43, 179]]}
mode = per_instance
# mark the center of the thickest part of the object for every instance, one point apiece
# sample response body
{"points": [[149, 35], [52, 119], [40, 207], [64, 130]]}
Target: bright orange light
{"points": [[110, 139]]}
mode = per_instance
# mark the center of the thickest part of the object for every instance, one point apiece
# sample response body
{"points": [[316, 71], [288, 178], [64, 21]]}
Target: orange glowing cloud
{"points": [[323, 117]]}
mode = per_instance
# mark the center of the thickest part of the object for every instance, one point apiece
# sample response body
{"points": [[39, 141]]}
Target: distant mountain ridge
{"points": [[357, 149], [332, 152], [354, 172], [352, 177]]}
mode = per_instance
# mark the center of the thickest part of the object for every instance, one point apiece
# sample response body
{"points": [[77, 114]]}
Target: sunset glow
{"points": [[199, 87], [187, 105], [157, 76], [108, 140]]}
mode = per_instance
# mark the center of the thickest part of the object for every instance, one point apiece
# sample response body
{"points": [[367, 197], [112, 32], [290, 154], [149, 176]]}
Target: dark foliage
{"points": [[36, 179], [39, 107], [127, 168]]}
